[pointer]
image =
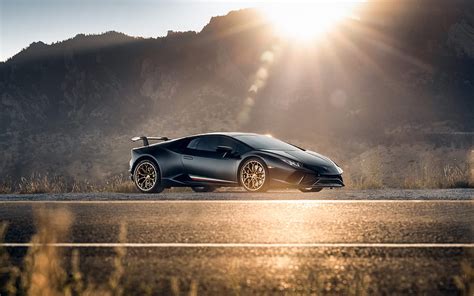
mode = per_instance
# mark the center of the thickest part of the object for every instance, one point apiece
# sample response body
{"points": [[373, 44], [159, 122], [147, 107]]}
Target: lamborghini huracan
{"points": [[205, 162]]}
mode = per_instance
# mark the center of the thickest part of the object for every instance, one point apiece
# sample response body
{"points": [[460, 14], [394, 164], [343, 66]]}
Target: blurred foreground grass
{"points": [[47, 270], [44, 270]]}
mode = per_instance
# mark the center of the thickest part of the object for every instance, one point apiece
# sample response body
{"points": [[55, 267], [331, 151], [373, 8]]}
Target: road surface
{"points": [[237, 243]]}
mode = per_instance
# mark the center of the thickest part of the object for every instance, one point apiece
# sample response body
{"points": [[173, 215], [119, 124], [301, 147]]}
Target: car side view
{"points": [[207, 161]]}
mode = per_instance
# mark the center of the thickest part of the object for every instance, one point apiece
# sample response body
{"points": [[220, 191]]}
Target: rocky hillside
{"points": [[402, 74]]}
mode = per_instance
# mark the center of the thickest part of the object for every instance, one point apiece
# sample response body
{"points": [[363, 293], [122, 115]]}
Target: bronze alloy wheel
{"points": [[253, 175], [146, 177]]}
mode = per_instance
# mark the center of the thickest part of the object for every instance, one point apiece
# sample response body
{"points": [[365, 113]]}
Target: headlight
{"points": [[339, 170], [292, 163]]}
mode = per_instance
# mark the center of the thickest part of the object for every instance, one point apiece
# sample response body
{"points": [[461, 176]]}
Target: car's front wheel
{"points": [[147, 177], [253, 175], [310, 189]]}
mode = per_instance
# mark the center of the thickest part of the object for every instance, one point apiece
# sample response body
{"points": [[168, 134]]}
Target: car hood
{"points": [[310, 159]]}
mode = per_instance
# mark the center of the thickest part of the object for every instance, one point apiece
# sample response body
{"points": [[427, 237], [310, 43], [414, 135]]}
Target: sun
{"points": [[310, 19]]}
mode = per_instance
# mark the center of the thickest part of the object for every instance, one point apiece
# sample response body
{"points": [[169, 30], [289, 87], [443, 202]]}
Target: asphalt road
{"points": [[234, 243]]}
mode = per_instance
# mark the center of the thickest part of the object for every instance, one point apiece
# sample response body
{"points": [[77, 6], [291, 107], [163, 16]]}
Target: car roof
{"points": [[230, 134]]}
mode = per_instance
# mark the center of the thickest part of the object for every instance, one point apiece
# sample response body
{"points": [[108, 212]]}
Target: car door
{"points": [[203, 163]]}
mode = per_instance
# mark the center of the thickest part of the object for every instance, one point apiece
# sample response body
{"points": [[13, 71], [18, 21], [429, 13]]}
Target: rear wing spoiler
{"points": [[147, 139]]}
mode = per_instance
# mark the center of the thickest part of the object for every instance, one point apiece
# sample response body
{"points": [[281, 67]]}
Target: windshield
{"points": [[266, 142]]}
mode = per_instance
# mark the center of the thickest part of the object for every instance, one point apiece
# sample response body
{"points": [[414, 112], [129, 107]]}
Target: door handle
{"points": [[187, 157]]}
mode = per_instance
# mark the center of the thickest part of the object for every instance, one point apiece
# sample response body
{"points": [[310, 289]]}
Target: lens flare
{"points": [[310, 19]]}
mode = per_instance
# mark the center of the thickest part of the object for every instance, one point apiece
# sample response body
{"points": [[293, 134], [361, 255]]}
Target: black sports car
{"points": [[207, 161]]}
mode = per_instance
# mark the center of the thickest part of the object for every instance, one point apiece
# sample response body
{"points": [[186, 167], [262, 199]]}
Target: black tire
{"points": [[147, 177], [310, 189], [204, 189], [244, 178]]}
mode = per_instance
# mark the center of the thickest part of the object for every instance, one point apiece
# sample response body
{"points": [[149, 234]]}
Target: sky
{"points": [[25, 21]]}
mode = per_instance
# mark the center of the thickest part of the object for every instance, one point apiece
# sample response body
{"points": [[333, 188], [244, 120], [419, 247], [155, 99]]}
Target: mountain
{"points": [[401, 74]]}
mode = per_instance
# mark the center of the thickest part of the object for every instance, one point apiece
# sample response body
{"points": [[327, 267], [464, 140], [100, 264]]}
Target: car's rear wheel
{"points": [[253, 175], [203, 188], [147, 177], [310, 189]]}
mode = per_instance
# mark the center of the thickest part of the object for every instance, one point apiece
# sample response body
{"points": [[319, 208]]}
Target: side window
{"points": [[238, 147], [215, 141], [226, 141], [193, 143], [241, 148], [208, 144], [178, 145]]}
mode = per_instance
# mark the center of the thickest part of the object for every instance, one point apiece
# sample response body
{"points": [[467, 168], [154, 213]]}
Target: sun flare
{"points": [[308, 20]]}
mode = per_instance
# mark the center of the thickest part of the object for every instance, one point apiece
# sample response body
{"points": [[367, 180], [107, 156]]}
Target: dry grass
{"points": [[449, 176], [465, 281], [8, 272], [44, 272], [6, 186], [42, 184], [410, 167], [115, 280], [38, 183]]}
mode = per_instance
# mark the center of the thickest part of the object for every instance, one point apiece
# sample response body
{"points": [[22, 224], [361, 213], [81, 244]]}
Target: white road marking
{"points": [[245, 245], [327, 201]]}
